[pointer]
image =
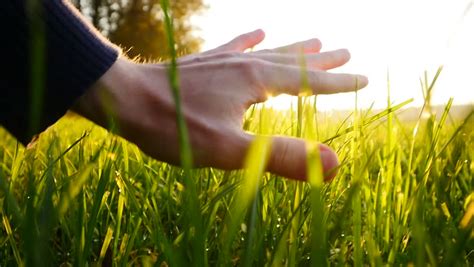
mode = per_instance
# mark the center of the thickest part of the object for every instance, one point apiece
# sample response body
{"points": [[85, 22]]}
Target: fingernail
{"points": [[345, 52], [329, 161], [362, 81]]}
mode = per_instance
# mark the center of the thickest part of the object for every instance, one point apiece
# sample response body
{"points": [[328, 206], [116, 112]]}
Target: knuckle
{"points": [[250, 68], [231, 54], [226, 55], [231, 145], [279, 159], [251, 72], [218, 56], [198, 59], [316, 81]]}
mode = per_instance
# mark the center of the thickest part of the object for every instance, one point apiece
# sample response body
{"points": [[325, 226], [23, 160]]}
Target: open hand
{"points": [[216, 88]]}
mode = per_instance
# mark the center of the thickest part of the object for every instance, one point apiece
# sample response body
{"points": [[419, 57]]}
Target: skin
{"points": [[217, 87]]}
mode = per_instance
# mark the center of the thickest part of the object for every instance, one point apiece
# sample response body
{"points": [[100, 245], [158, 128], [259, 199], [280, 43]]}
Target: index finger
{"points": [[309, 46], [240, 43]]}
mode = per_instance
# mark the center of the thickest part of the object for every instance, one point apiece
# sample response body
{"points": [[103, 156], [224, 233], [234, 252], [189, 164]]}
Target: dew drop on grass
{"points": [[243, 227], [335, 251]]}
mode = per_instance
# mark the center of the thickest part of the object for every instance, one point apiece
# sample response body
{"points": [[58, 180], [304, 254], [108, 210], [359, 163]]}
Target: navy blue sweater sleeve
{"points": [[74, 56]]}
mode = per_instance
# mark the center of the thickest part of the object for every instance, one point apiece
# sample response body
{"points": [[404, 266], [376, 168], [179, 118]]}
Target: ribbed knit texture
{"points": [[76, 56]]}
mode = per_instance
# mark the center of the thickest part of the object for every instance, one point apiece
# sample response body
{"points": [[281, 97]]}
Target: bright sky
{"points": [[406, 37]]}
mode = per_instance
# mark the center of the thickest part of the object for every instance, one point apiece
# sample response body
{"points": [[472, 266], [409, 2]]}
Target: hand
{"points": [[216, 89]]}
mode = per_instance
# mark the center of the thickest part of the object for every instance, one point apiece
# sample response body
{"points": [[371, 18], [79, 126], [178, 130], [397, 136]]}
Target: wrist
{"points": [[100, 102]]}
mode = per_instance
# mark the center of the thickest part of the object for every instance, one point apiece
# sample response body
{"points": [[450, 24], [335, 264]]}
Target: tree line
{"points": [[137, 25]]}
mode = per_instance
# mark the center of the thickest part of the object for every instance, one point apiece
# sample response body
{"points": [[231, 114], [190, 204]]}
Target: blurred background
{"points": [[403, 38]]}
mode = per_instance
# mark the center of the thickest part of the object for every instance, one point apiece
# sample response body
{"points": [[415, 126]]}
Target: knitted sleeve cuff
{"points": [[75, 57]]}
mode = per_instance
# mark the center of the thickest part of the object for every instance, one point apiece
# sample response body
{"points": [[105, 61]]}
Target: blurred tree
{"points": [[137, 25]]}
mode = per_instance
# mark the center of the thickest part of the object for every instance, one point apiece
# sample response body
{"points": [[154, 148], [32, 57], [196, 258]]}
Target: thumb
{"points": [[289, 158], [240, 43]]}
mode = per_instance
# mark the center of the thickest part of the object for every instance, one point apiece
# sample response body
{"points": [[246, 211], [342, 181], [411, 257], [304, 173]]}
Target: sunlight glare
{"points": [[403, 37], [280, 102]]}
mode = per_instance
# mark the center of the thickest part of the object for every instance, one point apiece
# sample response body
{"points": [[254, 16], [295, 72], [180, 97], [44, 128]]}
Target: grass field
{"points": [[403, 195]]}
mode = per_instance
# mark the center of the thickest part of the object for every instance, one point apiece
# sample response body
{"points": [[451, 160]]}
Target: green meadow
{"points": [[403, 195]]}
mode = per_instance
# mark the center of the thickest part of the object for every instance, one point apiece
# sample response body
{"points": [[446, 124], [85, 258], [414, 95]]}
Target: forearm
{"points": [[74, 56]]}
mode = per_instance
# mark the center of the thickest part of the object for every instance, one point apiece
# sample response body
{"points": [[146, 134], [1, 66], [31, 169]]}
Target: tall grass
{"points": [[194, 232], [403, 195]]}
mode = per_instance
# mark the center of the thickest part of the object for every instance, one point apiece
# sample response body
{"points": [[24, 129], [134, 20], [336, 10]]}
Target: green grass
{"points": [[404, 194]]}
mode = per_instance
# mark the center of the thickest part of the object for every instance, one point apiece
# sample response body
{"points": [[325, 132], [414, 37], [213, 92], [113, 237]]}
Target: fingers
{"points": [[251, 39], [321, 61], [240, 43], [280, 79], [308, 46], [288, 158]]}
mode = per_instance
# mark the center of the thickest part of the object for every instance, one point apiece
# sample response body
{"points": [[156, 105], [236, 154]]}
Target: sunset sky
{"points": [[405, 37]]}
